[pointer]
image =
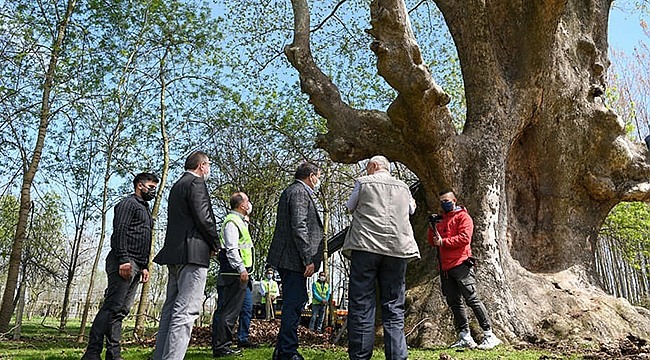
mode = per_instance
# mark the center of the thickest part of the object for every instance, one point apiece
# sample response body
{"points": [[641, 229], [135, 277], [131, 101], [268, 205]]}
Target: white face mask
{"points": [[321, 279], [269, 276], [250, 208], [317, 184], [206, 175]]}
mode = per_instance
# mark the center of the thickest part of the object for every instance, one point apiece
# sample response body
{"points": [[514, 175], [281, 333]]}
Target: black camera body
{"points": [[434, 219]]}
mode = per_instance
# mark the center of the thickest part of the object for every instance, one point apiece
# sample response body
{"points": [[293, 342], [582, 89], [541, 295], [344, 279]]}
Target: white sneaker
{"points": [[489, 342], [464, 341]]}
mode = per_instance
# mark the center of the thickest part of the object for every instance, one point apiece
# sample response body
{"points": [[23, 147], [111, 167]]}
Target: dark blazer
{"points": [[298, 236], [191, 226]]}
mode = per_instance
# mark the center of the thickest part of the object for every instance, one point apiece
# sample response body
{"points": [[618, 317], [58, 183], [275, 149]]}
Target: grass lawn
{"points": [[41, 342]]}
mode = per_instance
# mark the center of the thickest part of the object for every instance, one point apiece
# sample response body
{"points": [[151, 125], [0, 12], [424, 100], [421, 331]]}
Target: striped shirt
{"points": [[132, 224]]}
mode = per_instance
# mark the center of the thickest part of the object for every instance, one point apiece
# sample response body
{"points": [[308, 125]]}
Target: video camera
{"points": [[434, 219]]}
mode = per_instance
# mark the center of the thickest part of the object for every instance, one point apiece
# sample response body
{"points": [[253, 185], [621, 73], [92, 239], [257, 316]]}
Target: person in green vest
{"points": [[235, 262], [269, 288], [320, 298]]}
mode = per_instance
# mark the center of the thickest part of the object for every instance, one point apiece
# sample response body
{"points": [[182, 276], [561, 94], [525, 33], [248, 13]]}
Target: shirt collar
{"points": [[238, 214], [309, 189], [140, 200]]}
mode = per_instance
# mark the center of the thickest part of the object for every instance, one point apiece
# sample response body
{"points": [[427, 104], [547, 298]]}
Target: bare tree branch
{"points": [[341, 2]]}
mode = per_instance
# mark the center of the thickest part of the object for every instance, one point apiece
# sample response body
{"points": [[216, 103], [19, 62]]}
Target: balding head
{"points": [[377, 163]]}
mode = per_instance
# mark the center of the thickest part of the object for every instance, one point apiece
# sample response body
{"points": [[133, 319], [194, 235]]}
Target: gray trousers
{"points": [[185, 288], [389, 273]]}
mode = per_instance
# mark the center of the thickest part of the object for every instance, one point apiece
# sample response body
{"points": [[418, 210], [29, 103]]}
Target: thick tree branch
{"points": [[354, 134], [399, 60], [416, 127]]}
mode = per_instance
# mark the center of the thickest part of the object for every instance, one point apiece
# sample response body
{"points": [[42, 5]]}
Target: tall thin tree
{"points": [[31, 167]]}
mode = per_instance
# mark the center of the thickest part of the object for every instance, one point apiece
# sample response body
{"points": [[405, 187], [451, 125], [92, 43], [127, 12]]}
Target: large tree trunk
{"points": [[7, 308], [539, 164]]}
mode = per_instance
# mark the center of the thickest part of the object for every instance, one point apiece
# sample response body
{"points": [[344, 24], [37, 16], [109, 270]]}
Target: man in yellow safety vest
{"points": [[235, 261], [269, 289]]}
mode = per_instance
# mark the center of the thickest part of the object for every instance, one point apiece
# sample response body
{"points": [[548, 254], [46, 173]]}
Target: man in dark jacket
{"points": [[191, 239], [126, 266], [296, 251]]}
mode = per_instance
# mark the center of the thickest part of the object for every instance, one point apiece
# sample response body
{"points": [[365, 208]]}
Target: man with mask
{"points": [[126, 266], [270, 291], [452, 235], [379, 244], [190, 241], [296, 251], [235, 261], [320, 293]]}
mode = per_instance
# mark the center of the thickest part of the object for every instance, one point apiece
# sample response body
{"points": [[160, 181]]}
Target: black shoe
{"points": [[248, 344], [225, 352], [297, 357]]}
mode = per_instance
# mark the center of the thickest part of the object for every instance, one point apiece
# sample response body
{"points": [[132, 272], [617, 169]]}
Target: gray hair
{"points": [[381, 161]]}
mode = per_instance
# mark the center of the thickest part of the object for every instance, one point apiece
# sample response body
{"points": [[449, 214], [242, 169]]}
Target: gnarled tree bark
{"points": [[539, 163]]}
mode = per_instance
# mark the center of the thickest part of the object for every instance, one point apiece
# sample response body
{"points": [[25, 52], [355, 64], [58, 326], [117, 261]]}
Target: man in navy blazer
{"points": [[190, 241], [296, 252]]}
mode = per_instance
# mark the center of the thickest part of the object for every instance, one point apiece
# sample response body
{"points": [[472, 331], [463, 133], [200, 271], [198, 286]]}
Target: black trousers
{"points": [[231, 293], [119, 297], [459, 283]]}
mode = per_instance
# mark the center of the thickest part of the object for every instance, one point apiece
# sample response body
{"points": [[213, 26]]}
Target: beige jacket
{"points": [[380, 221]]}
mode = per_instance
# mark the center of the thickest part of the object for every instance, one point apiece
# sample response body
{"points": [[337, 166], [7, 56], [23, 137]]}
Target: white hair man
{"points": [[379, 243]]}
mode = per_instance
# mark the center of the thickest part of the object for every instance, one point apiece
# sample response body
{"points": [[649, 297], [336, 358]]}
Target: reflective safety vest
{"points": [[245, 242], [322, 290], [269, 286]]}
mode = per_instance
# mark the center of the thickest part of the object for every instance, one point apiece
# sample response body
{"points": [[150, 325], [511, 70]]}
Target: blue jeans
{"points": [[317, 314], [119, 297], [294, 297], [245, 315], [390, 274]]}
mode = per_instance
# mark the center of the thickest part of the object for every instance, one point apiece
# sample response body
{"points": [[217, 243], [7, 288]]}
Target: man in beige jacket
{"points": [[379, 243]]}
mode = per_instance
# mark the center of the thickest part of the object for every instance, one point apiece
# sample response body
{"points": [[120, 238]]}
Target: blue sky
{"points": [[625, 30]]}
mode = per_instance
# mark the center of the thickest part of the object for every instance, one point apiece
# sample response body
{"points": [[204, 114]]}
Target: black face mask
{"points": [[148, 193], [447, 206]]}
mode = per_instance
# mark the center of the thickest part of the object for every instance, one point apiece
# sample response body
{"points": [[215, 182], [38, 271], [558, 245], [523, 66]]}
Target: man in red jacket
{"points": [[452, 236]]}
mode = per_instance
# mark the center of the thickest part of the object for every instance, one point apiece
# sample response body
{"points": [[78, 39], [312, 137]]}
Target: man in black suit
{"points": [[296, 252], [191, 239]]}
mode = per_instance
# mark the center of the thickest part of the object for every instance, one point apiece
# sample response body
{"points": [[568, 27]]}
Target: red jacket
{"points": [[456, 228]]}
